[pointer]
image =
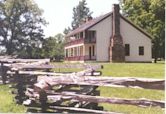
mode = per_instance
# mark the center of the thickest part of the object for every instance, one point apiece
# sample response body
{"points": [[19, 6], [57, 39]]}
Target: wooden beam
{"points": [[88, 71], [6, 60], [98, 99], [50, 66], [82, 110], [146, 83]]}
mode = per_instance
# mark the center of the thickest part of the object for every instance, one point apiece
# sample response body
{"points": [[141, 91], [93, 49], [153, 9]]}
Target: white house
{"points": [[111, 38]]}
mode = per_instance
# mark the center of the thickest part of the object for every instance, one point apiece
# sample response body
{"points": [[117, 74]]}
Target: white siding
{"points": [[135, 38], [103, 33]]}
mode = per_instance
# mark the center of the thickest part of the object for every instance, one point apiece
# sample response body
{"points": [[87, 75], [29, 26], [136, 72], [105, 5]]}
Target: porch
{"points": [[84, 52], [80, 58]]}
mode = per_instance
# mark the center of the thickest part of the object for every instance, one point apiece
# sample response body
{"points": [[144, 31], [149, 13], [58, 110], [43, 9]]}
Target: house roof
{"points": [[94, 21], [88, 24]]}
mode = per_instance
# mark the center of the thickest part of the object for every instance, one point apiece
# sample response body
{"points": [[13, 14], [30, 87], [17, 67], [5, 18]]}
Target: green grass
{"points": [[131, 93], [148, 70], [7, 103], [126, 109]]}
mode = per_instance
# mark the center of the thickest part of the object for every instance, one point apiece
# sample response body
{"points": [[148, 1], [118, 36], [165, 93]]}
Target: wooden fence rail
{"points": [[81, 110], [145, 83], [55, 96]]}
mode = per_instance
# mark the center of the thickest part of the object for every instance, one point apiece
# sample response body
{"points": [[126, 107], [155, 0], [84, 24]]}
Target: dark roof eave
{"points": [[104, 17], [99, 21], [69, 35]]}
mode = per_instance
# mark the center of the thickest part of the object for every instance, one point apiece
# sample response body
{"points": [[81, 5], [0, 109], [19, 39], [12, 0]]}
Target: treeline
{"points": [[149, 15], [21, 31], [51, 47]]}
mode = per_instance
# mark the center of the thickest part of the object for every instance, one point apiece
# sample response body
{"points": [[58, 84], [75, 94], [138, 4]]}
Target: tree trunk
{"points": [[156, 49], [9, 48]]}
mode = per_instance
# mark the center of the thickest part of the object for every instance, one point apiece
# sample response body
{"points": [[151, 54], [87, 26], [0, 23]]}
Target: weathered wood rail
{"points": [[145, 83], [8, 64], [54, 96], [36, 85]]}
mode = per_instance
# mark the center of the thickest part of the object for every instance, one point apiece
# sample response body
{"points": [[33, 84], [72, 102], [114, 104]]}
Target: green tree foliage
{"points": [[53, 47], [66, 30], [20, 31], [149, 15], [80, 13]]}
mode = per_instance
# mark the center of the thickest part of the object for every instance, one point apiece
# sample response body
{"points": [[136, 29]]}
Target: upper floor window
{"points": [[91, 34], [127, 49], [81, 35], [141, 50]]}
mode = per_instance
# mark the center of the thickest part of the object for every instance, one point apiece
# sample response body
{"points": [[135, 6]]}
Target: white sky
{"points": [[58, 13]]}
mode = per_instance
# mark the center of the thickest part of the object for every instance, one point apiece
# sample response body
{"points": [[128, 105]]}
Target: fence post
{"points": [[43, 100], [3, 73], [20, 88]]}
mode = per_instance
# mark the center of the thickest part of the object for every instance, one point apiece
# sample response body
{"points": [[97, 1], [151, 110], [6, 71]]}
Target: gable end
{"points": [[138, 28]]}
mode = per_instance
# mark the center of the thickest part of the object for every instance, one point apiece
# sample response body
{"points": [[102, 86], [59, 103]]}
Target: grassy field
{"points": [[148, 70], [7, 103]]}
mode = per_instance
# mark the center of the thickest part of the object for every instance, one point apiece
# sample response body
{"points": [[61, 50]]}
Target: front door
{"points": [[90, 53]]}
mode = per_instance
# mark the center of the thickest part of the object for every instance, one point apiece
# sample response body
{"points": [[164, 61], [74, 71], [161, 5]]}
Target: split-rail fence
{"points": [[41, 89]]}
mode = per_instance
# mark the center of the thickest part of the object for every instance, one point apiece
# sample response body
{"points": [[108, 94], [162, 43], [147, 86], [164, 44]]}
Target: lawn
{"points": [[7, 103], [148, 70]]}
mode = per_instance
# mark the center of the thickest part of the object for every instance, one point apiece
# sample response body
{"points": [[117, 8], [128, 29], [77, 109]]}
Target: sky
{"points": [[58, 13]]}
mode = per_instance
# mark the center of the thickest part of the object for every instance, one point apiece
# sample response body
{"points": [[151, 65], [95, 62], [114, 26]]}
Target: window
{"points": [[81, 35], [81, 51], [91, 34], [66, 52], [141, 50], [69, 52], [75, 51], [127, 49]]}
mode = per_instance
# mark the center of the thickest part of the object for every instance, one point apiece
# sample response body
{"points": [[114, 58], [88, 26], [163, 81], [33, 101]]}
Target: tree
{"points": [[80, 13], [20, 30], [53, 47], [149, 15], [66, 30]]}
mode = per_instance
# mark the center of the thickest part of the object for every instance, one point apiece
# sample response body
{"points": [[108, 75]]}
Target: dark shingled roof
{"points": [[94, 21], [88, 24]]}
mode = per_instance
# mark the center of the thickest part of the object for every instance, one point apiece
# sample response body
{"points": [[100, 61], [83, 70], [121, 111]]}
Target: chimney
{"points": [[116, 45], [116, 20], [85, 20], [88, 18]]}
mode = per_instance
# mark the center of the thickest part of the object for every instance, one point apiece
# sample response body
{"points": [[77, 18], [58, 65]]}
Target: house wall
{"points": [[135, 38], [103, 33]]}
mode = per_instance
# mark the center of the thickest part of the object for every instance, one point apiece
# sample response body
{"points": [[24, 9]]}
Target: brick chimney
{"points": [[116, 45]]}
